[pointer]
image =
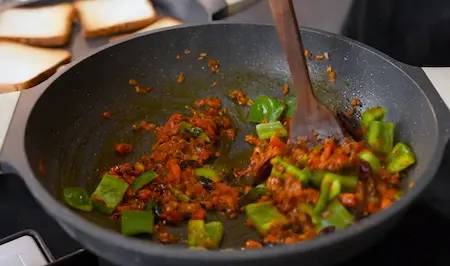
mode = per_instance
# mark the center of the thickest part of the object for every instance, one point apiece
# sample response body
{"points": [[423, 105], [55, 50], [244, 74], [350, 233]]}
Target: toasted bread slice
{"points": [[106, 17], [162, 22], [23, 66], [43, 26]]}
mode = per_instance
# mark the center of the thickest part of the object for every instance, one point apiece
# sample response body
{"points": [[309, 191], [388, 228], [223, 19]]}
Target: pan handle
{"points": [[220, 9]]}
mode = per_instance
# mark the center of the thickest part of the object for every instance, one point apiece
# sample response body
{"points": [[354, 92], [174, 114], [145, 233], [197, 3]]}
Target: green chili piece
{"points": [[373, 114], [400, 158], [324, 195], [77, 198], [348, 183], [253, 195], [380, 136], [291, 105], [136, 222], [275, 173], [195, 132], [208, 173], [214, 231], [335, 189], [264, 215], [179, 195], [316, 178], [108, 194], [309, 209], [302, 176], [336, 215], [143, 179], [265, 107], [201, 235], [371, 159], [267, 130]]}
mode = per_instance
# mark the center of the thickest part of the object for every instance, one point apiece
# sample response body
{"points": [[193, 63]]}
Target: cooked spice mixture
{"points": [[300, 190]]}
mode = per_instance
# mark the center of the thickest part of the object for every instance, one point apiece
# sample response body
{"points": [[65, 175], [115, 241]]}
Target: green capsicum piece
{"points": [[380, 136], [208, 173], [267, 130], [265, 107], [77, 198], [400, 158], [136, 222], [371, 159], [214, 231], [291, 105], [108, 194], [336, 215], [253, 195], [301, 175], [373, 114], [195, 132], [143, 179], [201, 235], [264, 215]]}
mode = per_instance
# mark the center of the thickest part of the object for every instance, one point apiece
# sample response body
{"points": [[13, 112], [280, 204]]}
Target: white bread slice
{"points": [[23, 66], [162, 22], [42, 26], [106, 17]]}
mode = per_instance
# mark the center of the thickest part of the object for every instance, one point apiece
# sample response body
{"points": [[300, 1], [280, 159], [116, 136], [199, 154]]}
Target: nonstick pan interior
{"points": [[67, 135]]}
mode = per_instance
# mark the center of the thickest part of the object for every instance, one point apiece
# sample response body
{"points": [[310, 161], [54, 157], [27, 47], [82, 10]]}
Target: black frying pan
{"points": [[59, 126]]}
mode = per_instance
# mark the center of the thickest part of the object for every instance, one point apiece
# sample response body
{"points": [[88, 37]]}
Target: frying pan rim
{"points": [[68, 217]]}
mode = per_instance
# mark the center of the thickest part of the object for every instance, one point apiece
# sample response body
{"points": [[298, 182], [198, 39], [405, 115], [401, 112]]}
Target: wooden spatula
{"points": [[310, 116]]}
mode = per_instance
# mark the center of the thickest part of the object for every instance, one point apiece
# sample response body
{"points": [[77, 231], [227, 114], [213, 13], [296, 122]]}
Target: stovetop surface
{"points": [[414, 240]]}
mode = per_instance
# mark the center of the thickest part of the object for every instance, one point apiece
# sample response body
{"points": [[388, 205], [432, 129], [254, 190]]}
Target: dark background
{"points": [[412, 31]]}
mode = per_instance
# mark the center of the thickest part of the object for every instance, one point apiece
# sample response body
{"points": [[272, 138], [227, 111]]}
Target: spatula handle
{"points": [[286, 22]]}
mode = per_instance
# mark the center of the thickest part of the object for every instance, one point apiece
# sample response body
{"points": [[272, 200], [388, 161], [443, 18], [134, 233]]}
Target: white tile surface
{"points": [[440, 78], [8, 103], [23, 251]]}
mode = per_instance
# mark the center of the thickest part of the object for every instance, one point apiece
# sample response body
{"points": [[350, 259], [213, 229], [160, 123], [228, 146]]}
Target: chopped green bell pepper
{"points": [[201, 235], [108, 194], [195, 132], [253, 195], [136, 222], [371, 159], [214, 231], [78, 198], [380, 136], [373, 114], [400, 158], [291, 105], [208, 173], [267, 130], [301, 175], [336, 215], [265, 107], [143, 179], [264, 215]]}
